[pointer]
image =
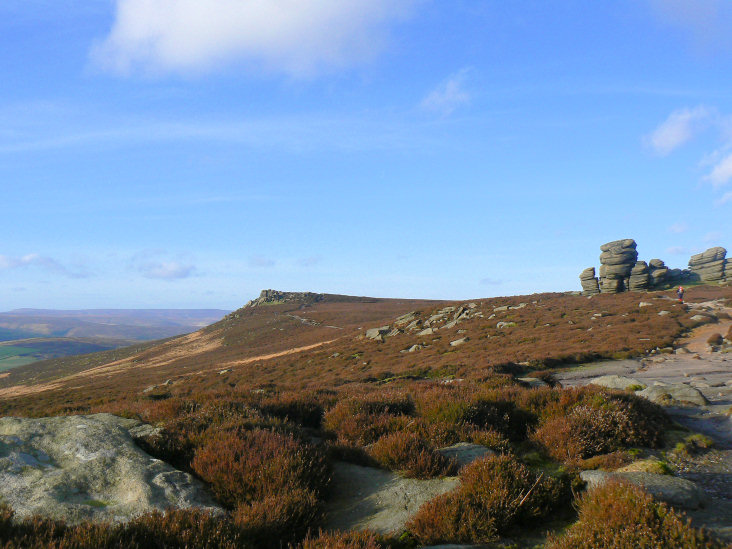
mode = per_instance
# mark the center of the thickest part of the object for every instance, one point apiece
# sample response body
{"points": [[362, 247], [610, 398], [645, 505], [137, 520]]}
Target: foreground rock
{"points": [[79, 468], [674, 394], [673, 490], [365, 498], [617, 382]]}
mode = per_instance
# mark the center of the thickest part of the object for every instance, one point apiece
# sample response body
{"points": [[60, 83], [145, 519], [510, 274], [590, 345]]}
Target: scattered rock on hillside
{"points": [[366, 498], [377, 334], [533, 382], [271, 297], [79, 468], [617, 382], [673, 490]]}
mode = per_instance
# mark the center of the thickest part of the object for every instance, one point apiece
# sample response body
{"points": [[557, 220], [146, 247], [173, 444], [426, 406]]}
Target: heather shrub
{"points": [[715, 340], [408, 453], [601, 424], [607, 462], [175, 529], [619, 516], [344, 540], [278, 519], [496, 494], [353, 425], [254, 464], [300, 409], [728, 337], [491, 439]]}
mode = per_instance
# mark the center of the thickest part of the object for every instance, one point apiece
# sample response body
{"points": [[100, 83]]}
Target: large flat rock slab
{"points": [[673, 490], [79, 468], [366, 498]]}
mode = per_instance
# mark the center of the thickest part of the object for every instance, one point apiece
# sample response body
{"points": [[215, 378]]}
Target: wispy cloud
{"points": [[725, 199], [296, 37], [705, 22], [36, 260], [713, 237], [448, 95], [678, 228], [156, 264], [721, 172], [680, 127], [678, 250], [260, 261], [309, 261], [491, 282]]}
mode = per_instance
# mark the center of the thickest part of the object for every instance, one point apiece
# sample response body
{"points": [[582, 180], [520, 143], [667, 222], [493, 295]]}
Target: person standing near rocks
{"points": [[680, 293]]}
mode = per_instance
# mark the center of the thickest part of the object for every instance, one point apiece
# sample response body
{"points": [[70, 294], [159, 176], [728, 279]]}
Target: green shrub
{"points": [[620, 516], [496, 493], [408, 453]]}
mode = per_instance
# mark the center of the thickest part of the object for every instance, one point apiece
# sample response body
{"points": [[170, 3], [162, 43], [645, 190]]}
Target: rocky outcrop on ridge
{"points": [[590, 285], [710, 266], [80, 468], [272, 297], [620, 270], [616, 263]]}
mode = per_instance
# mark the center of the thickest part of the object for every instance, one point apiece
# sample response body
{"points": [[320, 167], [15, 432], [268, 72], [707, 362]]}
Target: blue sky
{"points": [[189, 153]]}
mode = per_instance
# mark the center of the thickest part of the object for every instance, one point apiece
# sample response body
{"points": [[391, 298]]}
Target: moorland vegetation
{"points": [[264, 433]]}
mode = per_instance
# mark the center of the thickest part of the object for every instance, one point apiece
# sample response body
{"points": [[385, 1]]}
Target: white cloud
{"points": [[678, 228], [713, 237], [154, 264], [681, 126], [297, 37], [448, 95], [721, 173], [491, 282], [309, 261], [677, 250]]}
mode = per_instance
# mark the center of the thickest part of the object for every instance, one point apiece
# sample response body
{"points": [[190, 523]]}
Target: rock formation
{"points": [[616, 263], [621, 271], [639, 277], [710, 266], [658, 272], [271, 297], [590, 285], [88, 467]]}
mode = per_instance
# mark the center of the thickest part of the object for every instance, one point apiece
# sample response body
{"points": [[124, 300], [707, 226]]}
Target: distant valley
{"points": [[31, 335]]}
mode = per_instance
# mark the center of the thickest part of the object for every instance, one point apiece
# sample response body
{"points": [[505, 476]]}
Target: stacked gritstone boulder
{"points": [[658, 273], [639, 277], [590, 286], [617, 261], [710, 266]]}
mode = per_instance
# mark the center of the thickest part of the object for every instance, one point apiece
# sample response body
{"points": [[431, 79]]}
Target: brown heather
{"points": [[497, 493], [620, 516], [409, 454]]}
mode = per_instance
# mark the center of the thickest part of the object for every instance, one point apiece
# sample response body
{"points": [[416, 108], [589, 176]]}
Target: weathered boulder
{"points": [[366, 498], [465, 453], [588, 280], [710, 265], [673, 490], [617, 382], [673, 394], [639, 278], [79, 468], [617, 261], [378, 334]]}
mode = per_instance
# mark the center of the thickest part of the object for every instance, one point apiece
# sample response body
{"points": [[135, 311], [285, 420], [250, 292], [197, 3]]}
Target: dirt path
{"points": [[694, 364]]}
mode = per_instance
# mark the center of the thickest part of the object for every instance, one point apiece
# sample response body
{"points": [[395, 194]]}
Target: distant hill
{"points": [[31, 335], [122, 324]]}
